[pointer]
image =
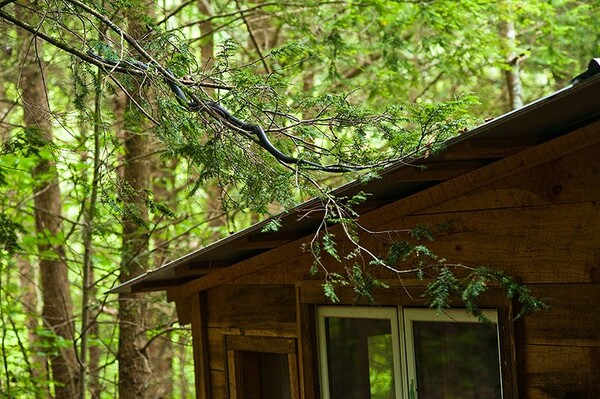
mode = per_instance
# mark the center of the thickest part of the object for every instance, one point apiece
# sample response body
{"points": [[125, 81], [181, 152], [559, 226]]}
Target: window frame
{"points": [[410, 315], [361, 312], [401, 319]]}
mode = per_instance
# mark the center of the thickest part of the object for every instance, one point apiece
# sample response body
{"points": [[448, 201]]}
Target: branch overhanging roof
{"points": [[540, 121]]}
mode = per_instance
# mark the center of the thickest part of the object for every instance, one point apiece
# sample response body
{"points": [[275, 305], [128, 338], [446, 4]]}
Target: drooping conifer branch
{"points": [[217, 111], [212, 108]]}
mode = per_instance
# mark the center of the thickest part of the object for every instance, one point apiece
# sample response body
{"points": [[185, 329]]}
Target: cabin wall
{"points": [[267, 312], [535, 215]]}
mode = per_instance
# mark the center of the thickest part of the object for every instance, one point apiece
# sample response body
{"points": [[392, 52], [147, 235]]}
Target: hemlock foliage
{"points": [[356, 83]]}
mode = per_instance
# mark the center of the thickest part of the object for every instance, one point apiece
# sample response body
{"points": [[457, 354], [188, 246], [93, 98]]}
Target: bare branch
{"points": [[253, 39], [175, 11]]}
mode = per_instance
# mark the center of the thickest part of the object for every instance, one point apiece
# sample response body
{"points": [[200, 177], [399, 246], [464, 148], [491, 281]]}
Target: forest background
{"points": [[105, 173]]}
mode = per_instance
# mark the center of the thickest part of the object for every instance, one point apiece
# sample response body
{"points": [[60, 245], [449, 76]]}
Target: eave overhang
{"points": [[516, 131]]}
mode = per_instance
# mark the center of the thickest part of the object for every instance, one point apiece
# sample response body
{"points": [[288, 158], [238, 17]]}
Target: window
{"points": [[361, 348], [261, 367], [384, 353]]}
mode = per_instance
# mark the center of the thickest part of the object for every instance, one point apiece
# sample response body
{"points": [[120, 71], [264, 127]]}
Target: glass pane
{"points": [[456, 360], [360, 358]]}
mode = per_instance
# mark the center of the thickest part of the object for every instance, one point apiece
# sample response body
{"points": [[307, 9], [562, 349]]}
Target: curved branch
{"points": [[175, 11], [218, 112], [139, 68], [253, 39], [77, 53]]}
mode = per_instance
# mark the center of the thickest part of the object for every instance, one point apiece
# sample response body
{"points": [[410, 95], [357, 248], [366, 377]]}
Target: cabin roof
{"points": [[518, 130]]}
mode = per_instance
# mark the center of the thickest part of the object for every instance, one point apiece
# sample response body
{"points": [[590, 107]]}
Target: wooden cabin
{"points": [[522, 193]]}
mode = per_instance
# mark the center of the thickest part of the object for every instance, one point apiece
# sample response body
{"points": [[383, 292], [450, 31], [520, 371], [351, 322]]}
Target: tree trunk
{"points": [[511, 74], [57, 309], [88, 323], [160, 314], [134, 261], [213, 210], [29, 299], [133, 364], [160, 354], [207, 46]]}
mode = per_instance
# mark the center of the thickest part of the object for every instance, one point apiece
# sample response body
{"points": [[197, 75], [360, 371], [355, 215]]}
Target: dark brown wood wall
{"points": [[245, 311], [535, 215]]}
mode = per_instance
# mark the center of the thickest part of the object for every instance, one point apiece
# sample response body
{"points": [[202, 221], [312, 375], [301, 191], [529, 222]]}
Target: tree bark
{"points": [[134, 261], [88, 324], [160, 349], [29, 298], [512, 74], [57, 309], [133, 364]]}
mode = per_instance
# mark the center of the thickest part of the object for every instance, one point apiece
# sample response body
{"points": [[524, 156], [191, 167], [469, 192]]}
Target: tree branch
{"points": [[175, 11], [253, 39], [214, 109], [77, 53], [6, 2]]}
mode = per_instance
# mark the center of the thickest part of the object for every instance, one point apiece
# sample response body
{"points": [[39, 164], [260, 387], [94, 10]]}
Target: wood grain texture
{"points": [[201, 357], [572, 178], [218, 384], [562, 372], [573, 319], [216, 349], [294, 376], [484, 188], [307, 349], [260, 344], [255, 308], [508, 352], [488, 175], [542, 244]]}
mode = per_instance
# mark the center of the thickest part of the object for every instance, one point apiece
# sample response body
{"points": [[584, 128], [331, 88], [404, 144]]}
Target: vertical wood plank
{"points": [[309, 388], [200, 346], [508, 353], [232, 373], [293, 372]]}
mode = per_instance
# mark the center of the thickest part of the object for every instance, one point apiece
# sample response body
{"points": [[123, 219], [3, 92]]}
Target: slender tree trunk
{"points": [[133, 363], [134, 261], [184, 384], [57, 309], [27, 275], [213, 209], [511, 74], [29, 298], [94, 363], [160, 349], [4, 111], [88, 325], [206, 28]]}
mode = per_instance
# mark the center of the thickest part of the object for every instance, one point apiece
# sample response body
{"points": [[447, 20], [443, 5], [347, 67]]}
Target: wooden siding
{"points": [[535, 214], [246, 315]]}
